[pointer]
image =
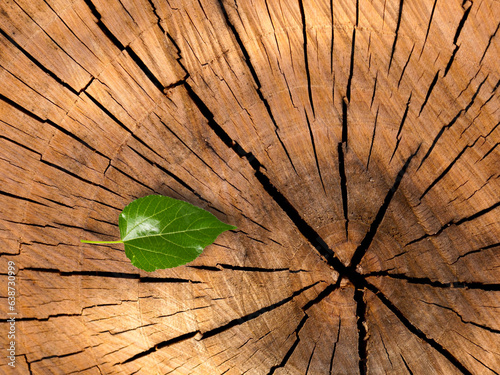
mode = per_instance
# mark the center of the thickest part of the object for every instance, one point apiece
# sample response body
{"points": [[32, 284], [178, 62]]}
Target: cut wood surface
{"points": [[354, 144]]}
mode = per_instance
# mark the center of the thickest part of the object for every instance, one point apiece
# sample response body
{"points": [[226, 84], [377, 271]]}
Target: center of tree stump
{"points": [[345, 250]]}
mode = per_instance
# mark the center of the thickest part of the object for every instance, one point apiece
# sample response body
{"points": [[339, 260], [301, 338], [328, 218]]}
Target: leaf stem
{"points": [[101, 242]]}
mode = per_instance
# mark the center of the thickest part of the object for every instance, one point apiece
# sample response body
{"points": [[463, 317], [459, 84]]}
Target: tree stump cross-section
{"points": [[354, 144]]}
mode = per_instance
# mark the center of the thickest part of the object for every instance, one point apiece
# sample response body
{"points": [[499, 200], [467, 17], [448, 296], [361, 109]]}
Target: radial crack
{"points": [[217, 330], [27, 363], [406, 365], [342, 149], [367, 240], [310, 359], [155, 81], [307, 231], [255, 77], [406, 64], [21, 198], [457, 35], [47, 318], [428, 27], [456, 223], [362, 329], [398, 136], [255, 314], [448, 168], [373, 139], [321, 296], [292, 348], [335, 346], [332, 37], [57, 356], [103, 27], [415, 330], [396, 33], [374, 90], [306, 60], [476, 251], [435, 283], [482, 326], [429, 92], [343, 187], [38, 64], [489, 43], [386, 351], [158, 18], [353, 48], [132, 178], [315, 152], [256, 269], [159, 346], [482, 363], [451, 123]]}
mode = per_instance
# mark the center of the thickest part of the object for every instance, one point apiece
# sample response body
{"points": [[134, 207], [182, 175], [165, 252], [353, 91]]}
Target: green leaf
{"points": [[161, 232]]}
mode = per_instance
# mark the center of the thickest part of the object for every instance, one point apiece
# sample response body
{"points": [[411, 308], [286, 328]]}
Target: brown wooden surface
{"points": [[353, 143]]}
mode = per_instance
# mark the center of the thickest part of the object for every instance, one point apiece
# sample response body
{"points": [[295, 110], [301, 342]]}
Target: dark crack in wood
{"points": [[367, 240], [159, 346], [406, 365], [456, 223], [451, 123], [435, 283], [290, 351], [416, 331], [475, 251], [362, 330], [428, 28], [255, 77], [429, 92], [343, 186], [482, 326], [457, 35], [310, 359], [396, 34], [103, 27], [255, 314], [335, 346], [373, 140], [401, 124], [489, 43], [306, 59], [406, 65], [484, 364], [315, 152], [448, 168], [374, 91], [351, 64]]}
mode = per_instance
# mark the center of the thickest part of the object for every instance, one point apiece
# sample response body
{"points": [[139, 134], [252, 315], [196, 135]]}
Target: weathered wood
{"points": [[353, 144]]}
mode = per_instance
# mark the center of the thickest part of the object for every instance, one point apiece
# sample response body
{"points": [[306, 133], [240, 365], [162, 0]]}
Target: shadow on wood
{"points": [[353, 144]]}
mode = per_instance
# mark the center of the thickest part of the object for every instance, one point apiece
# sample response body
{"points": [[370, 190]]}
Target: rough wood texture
{"points": [[353, 143]]}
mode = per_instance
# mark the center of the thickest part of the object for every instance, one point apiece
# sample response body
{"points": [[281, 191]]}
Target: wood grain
{"points": [[354, 144]]}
